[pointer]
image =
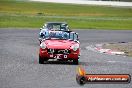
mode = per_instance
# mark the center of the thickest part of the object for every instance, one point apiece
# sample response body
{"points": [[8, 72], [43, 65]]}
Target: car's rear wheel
{"points": [[42, 60], [75, 62]]}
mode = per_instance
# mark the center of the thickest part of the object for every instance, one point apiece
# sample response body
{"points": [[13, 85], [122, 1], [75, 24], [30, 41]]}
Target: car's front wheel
{"points": [[42, 60], [75, 62]]}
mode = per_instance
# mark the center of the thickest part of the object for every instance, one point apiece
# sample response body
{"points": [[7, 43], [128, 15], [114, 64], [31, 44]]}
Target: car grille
{"points": [[59, 51]]}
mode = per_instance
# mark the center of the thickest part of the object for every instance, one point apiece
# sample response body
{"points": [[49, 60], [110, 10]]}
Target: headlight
{"points": [[43, 45], [75, 47]]}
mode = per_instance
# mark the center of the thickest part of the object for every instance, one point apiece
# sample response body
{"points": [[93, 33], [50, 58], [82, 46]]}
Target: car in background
{"points": [[60, 45], [52, 26], [63, 26]]}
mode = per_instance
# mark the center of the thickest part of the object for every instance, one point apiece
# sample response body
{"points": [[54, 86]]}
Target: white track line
{"points": [[118, 62], [109, 3], [98, 48]]}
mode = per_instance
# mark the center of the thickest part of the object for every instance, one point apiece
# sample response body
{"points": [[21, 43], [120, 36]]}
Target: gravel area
{"points": [[125, 47]]}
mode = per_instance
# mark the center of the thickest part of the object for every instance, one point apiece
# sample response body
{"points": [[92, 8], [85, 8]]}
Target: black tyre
{"points": [[41, 60], [75, 62]]}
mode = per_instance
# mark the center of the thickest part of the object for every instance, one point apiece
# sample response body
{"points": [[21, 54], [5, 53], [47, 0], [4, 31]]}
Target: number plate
{"points": [[58, 56]]}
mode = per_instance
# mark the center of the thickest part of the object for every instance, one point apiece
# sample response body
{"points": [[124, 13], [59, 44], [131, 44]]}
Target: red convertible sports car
{"points": [[60, 45]]}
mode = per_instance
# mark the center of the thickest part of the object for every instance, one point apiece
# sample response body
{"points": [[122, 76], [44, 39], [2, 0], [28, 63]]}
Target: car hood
{"points": [[59, 44]]}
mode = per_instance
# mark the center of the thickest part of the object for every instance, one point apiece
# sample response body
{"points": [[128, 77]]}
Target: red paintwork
{"points": [[59, 44]]}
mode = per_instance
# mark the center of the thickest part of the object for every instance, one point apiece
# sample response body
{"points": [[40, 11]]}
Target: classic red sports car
{"points": [[60, 45]]}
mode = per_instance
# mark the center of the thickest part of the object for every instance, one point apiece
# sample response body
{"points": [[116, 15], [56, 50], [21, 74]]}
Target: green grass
{"points": [[34, 14]]}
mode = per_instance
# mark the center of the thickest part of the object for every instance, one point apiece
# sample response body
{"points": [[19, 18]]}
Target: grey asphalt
{"points": [[19, 55]]}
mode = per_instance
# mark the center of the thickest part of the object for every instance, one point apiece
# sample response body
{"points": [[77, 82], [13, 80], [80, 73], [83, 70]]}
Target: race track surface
{"points": [[19, 55]]}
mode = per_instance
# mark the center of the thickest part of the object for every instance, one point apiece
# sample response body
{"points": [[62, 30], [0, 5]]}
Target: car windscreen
{"points": [[61, 35], [52, 26], [57, 35]]}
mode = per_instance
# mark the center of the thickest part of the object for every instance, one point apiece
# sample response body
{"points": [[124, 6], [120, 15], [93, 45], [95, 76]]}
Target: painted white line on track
{"points": [[118, 62], [98, 48], [108, 3]]}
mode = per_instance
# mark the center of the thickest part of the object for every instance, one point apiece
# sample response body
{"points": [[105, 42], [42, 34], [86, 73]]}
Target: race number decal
{"points": [[65, 56], [57, 56]]}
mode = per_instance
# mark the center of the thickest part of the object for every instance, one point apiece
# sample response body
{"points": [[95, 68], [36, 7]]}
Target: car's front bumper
{"points": [[71, 56]]}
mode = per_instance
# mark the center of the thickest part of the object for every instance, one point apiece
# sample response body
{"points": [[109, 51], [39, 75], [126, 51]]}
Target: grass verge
{"points": [[34, 14]]}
